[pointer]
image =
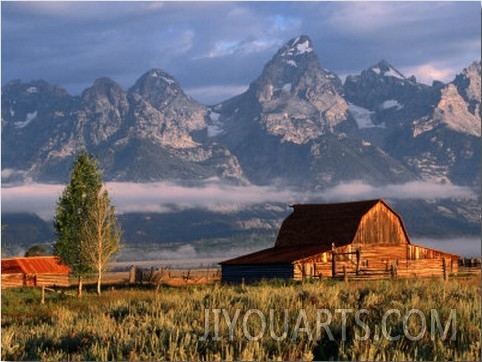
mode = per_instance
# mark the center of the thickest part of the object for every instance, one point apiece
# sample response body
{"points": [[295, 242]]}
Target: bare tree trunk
{"points": [[99, 260], [79, 290], [99, 278]]}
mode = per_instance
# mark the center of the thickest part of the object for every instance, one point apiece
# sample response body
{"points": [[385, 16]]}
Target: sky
{"points": [[215, 49]]}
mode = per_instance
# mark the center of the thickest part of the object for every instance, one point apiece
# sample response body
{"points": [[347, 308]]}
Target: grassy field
{"points": [[302, 321]]}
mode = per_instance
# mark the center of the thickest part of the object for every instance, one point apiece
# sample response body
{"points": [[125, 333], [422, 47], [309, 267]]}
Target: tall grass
{"points": [[169, 324]]}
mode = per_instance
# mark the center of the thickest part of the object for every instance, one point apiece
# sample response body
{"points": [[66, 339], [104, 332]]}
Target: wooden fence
{"points": [[166, 275], [377, 262]]}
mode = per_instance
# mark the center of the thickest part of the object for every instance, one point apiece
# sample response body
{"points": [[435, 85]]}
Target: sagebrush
{"points": [[169, 324]]}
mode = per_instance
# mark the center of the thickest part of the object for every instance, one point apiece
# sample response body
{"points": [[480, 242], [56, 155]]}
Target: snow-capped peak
{"points": [[157, 73], [297, 46], [385, 69]]}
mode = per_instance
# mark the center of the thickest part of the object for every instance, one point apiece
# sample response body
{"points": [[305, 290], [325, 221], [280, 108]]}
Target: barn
{"points": [[34, 271], [362, 239]]}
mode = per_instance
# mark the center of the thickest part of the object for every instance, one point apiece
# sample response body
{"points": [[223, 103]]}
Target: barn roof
{"points": [[324, 224], [278, 255], [34, 265]]}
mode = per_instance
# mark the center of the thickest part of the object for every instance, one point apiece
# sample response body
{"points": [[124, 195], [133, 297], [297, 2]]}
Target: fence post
{"points": [[42, 299], [444, 268], [132, 274], [358, 252], [333, 260]]}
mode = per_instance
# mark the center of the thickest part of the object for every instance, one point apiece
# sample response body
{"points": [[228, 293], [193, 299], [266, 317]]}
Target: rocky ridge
{"points": [[297, 125]]}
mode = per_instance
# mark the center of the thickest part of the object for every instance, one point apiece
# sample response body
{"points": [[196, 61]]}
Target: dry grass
{"points": [[141, 324]]}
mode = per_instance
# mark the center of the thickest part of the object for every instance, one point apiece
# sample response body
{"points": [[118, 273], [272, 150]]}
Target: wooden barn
{"points": [[363, 239], [34, 271]]}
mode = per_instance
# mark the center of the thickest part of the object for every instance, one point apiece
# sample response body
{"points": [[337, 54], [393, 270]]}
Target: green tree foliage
{"points": [[36, 250], [74, 218]]}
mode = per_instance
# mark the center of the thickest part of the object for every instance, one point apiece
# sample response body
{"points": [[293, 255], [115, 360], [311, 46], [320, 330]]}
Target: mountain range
{"points": [[297, 125]]}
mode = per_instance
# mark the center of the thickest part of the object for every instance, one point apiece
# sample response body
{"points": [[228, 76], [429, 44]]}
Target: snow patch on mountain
{"points": [[362, 117], [31, 90], [215, 127], [156, 73], [391, 103], [385, 69], [304, 47], [292, 63], [298, 46], [214, 131], [393, 73], [29, 117]]}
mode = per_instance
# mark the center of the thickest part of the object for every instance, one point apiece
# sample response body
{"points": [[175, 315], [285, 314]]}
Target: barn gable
{"points": [[381, 225]]}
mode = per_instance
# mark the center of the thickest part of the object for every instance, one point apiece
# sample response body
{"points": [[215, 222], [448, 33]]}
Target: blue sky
{"points": [[215, 49]]}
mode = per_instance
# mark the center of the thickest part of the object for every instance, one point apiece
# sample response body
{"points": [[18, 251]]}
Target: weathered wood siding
{"points": [[378, 261], [250, 273], [380, 225], [33, 280]]}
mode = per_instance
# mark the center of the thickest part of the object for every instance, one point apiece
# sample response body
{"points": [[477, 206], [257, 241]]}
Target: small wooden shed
{"points": [[34, 271], [363, 239]]}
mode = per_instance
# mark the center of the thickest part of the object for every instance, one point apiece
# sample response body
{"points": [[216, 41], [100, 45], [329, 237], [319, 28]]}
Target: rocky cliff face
{"points": [[294, 124], [143, 134], [33, 115], [289, 125], [293, 98], [433, 130], [157, 95], [468, 86], [380, 87], [299, 101]]}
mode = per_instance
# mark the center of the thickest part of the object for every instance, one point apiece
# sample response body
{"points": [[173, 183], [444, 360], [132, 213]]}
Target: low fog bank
{"points": [[463, 246], [181, 257], [214, 195]]}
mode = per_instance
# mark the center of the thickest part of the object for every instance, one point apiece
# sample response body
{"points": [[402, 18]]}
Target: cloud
{"points": [[35, 198], [223, 48], [212, 194], [408, 35], [206, 44], [363, 18], [382, 18], [157, 197], [427, 73], [411, 190]]}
